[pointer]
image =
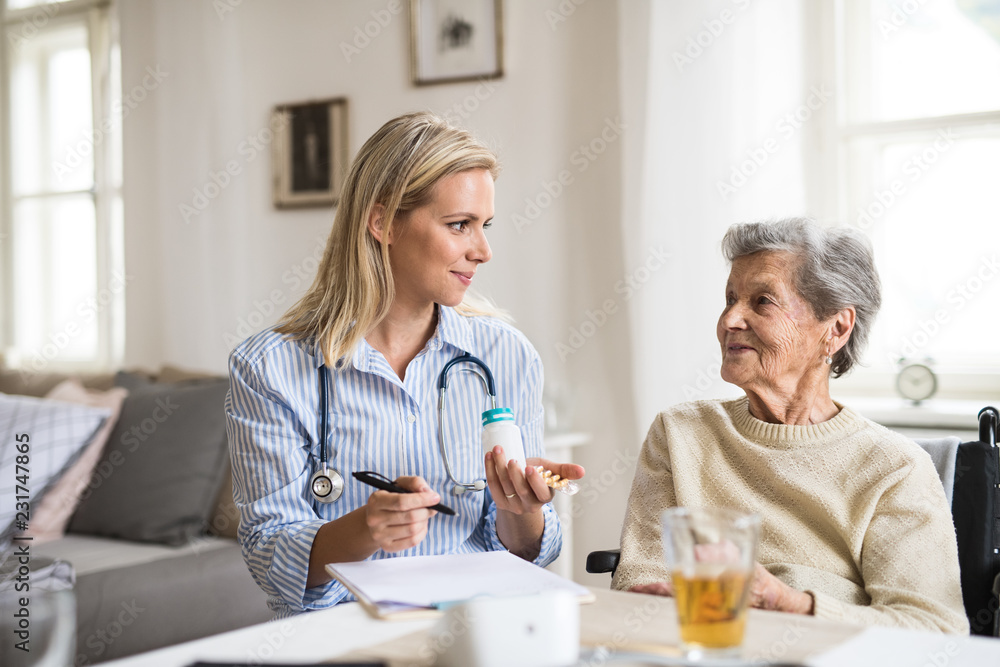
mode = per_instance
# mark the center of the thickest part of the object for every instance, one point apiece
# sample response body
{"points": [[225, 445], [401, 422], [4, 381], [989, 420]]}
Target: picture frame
{"points": [[309, 152], [455, 40]]}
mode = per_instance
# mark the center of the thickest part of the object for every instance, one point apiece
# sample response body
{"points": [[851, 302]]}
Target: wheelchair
{"points": [[975, 510]]}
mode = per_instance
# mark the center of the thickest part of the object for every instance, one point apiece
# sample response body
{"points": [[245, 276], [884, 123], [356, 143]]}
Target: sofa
{"points": [[148, 531]]}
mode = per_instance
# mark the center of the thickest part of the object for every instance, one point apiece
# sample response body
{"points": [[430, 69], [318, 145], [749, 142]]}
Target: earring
{"points": [[829, 361]]}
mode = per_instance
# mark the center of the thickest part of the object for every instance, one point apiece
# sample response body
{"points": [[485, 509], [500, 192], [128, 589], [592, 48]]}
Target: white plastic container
{"points": [[541, 630], [499, 429]]}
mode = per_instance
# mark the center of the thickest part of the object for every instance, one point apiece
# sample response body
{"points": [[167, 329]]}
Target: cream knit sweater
{"points": [[851, 512]]}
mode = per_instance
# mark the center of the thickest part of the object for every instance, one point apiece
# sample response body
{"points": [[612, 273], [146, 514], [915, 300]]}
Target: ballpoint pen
{"points": [[382, 482]]}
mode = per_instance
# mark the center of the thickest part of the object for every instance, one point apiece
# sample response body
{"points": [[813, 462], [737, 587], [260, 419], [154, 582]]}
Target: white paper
{"points": [[425, 581], [894, 646]]}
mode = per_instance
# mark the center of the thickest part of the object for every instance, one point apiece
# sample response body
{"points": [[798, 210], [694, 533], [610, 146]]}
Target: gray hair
{"points": [[836, 270]]}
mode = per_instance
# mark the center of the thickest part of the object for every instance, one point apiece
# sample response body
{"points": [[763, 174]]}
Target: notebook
{"points": [[423, 585]]}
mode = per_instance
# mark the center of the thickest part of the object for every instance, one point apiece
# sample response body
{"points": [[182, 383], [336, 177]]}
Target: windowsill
{"points": [[934, 413], [565, 439], [961, 385]]}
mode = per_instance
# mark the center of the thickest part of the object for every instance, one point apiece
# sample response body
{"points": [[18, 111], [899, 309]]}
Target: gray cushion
{"points": [[165, 602], [943, 452], [163, 465], [53, 435], [25, 383]]}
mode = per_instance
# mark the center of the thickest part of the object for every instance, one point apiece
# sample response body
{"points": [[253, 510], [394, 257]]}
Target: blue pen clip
{"points": [[448, 604]]}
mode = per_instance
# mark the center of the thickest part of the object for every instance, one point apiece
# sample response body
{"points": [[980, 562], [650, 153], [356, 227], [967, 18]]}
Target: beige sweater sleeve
{"points": [[652, 492], [909, 561]]}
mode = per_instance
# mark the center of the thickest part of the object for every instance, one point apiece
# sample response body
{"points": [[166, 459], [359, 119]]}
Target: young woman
{"points": [[364, 349]]}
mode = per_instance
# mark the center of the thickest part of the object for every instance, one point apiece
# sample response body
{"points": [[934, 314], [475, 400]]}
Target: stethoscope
{"points": [[327, 484]]}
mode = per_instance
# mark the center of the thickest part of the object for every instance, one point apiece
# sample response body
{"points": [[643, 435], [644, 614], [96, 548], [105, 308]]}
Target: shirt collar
{"points": [[452, 329], [317, 353], [358, 360]]}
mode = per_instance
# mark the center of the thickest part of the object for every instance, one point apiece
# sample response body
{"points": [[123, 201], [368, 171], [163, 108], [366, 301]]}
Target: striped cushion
{"points": [[55, 434]]}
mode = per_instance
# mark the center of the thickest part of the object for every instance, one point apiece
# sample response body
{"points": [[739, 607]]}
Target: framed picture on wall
{"points": [[309, 152], [455, 40]]}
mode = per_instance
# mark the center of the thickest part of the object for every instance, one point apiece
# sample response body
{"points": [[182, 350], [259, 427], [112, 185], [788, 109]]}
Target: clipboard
{"points": [[421, 586]]}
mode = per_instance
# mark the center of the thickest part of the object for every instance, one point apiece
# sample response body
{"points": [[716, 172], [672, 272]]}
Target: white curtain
{"points": [[723, 111]]}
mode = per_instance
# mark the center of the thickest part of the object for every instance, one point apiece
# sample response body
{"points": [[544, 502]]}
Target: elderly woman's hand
{"points": [[664, 588], [769, 592], [766, 592]]}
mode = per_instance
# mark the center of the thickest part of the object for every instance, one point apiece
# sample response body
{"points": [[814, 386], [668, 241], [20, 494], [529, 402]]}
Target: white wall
{"points": [[706, 103], [193, 283]]}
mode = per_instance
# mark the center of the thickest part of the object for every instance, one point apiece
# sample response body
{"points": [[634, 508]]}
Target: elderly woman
{"points": [[854, 522]]}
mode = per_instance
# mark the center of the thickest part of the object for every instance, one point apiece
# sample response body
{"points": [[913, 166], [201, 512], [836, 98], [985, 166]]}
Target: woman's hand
{"points": [[398, 521], [523, 492], [766, 592], [519, 497], [769, 592]]}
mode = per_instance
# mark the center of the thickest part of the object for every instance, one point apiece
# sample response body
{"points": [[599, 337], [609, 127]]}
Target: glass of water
{"points": [[710, 554], [38, 627]]}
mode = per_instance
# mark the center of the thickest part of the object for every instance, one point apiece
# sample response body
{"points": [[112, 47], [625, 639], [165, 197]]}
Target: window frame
{"points": [[98, 17], [836, 129]]}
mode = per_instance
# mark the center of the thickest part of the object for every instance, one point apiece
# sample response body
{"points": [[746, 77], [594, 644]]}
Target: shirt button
{"points": [[411, 418]]}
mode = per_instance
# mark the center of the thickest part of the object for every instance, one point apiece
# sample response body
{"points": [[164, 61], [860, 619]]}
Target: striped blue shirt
{"points": [[377, 422]]}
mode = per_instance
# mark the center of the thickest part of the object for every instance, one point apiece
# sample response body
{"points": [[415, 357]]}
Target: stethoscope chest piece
{"points": [[326, 485]]}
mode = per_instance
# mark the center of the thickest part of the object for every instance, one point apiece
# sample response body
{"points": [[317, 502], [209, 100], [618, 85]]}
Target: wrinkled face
{"points": [[434, 250], [769, 335]]}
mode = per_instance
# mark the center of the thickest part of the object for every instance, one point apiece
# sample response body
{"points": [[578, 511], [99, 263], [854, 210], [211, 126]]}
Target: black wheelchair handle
{"points": [[988, 418]]}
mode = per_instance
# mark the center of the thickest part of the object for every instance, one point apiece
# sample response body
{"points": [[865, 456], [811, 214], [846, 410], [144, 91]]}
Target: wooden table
{"points": [[622, 622]]}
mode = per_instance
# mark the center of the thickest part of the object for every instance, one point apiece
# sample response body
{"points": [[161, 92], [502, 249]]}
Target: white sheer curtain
{"points": [[722, 110]]}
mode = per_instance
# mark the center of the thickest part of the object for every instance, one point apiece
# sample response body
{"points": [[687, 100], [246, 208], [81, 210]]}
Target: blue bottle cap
{"points": [[498, 415]]}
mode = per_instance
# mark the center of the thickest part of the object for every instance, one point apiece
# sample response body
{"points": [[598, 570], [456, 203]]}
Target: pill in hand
{"points": [[556, 482]]}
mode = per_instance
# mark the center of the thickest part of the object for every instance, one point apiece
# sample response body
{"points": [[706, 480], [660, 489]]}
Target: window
{"points": [[61, 227], [915, 148]]}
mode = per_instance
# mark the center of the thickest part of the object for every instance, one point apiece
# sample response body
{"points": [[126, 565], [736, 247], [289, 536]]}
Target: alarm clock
{"points": [[916, 382]]}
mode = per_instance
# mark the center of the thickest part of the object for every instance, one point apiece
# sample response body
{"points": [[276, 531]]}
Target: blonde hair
{"points": [[397, 169]]}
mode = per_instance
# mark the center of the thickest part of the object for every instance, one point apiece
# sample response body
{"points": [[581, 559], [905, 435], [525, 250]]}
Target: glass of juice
{"points": [[710, 554]]}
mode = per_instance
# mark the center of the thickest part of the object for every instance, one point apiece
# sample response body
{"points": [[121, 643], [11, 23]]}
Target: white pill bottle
{"points": [[499, 429]]}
